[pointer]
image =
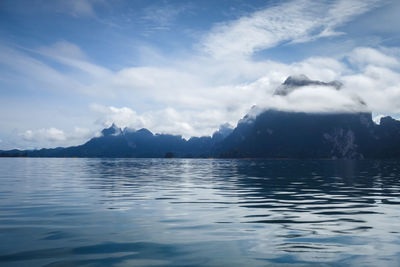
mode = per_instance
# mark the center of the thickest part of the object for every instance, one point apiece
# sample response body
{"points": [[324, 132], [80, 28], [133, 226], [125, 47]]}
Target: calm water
{"points": [[171, 212]]}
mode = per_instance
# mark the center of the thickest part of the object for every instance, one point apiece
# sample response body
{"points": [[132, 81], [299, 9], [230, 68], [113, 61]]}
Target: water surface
{"points": [[180, 212]]}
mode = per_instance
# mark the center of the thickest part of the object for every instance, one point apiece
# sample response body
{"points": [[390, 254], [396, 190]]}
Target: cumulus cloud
{"points": [[294, 21], [365, 56], [80, 133], [194, 98], [319, 99], [53, 137], [122, 117], [167, 120], [377, 81], [50, 134]]}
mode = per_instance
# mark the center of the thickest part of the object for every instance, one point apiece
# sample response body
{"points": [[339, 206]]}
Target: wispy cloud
{"points": [[294, 21], [78, 8], [30, 72], [161, 17], [63, 49]]}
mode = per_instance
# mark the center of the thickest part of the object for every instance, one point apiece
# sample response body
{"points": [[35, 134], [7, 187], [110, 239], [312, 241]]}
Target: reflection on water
{"points": [[173, 212]]}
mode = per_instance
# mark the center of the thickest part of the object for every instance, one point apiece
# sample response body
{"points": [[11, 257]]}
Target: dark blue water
{"points": [[174, 212]]}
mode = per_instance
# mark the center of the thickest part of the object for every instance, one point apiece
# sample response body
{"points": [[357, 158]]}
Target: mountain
{"points": [[296, 81], [271, 134], [280, 134], [287, 134], [261, 133], [115, 142]]}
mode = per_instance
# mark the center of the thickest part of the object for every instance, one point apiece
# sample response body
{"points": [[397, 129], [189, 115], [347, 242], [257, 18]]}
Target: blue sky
{"points": [[70, 68]]}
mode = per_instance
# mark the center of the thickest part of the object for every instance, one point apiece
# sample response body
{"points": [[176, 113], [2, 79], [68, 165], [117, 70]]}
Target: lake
{"points": [[198, 212]]}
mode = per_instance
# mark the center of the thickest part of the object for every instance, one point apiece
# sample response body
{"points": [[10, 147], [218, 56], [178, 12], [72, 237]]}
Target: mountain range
{"points": [[270, 133]]}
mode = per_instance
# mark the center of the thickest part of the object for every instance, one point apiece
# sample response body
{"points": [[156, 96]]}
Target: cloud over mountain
{"points": [[298, 81]]}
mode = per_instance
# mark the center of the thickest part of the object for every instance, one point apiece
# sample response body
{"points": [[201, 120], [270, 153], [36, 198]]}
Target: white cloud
{"points": [[54, 137], [379, 88], [80, 134], [377, 118], [71, 55], [364, 56], [167, 120], [193, 97], [29, 72], [320, 99], [294, 21], [63, 49], [199, 84], [122, 117], [50, 135]]}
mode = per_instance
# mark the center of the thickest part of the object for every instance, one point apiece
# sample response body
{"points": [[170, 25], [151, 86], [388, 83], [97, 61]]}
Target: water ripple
{"points": [[171, 212]]}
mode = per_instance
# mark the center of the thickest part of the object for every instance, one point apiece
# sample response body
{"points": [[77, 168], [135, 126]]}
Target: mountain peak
{"points": [[112, 130], [223, 131], [295, 81], [144, 131], [387, 120]]}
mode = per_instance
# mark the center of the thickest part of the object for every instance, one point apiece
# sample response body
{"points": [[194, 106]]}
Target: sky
{"points": [[71, 68]]}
